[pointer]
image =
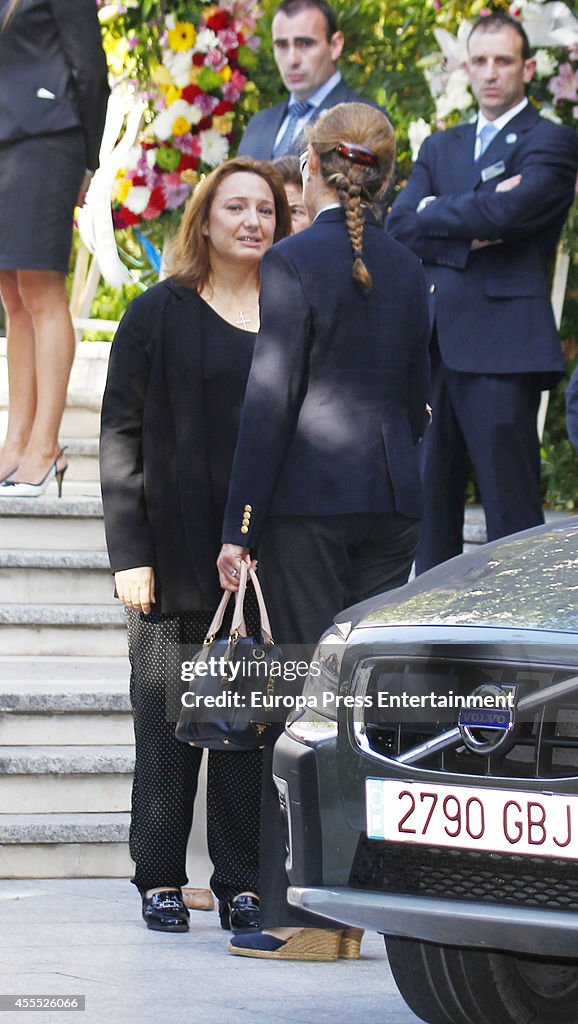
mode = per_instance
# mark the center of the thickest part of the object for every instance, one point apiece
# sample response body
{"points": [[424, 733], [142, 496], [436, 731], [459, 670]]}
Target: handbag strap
{"points": [[217, 620], [238, 627]]}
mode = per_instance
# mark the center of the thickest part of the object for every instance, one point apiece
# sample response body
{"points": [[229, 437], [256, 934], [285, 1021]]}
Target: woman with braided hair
{"points": [[325, 485]]}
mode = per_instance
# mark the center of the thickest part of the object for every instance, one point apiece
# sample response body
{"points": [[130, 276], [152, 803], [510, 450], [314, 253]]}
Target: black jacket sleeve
{"points": [[128, 535], [79, 32]]}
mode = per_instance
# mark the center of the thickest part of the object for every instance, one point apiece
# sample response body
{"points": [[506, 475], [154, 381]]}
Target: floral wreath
{"points": [[194, 77]]}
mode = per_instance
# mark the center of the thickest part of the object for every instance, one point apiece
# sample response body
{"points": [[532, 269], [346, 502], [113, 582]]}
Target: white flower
{"points": [[137, 199], [151, 157], [170, 21], [549, 24], [214, 147], [457, 95], [206, 40], [162, 125], [549, 114], [546, 64], [178, 63], [417, 132]]}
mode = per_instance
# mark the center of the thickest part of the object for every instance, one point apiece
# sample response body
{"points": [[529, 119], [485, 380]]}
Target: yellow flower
{"points": [[161, 75], [194, 74], [182, 36], [181, 126], [223, 123], [173, 94], [189, 176], [209, 11], [226, 73], [121, 189]]}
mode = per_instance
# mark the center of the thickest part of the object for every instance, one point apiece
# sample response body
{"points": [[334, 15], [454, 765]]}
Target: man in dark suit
{"points": [[307, 45], [484, 208]]}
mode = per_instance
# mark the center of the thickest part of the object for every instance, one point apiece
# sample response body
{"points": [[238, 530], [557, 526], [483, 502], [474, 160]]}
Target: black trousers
{"points": [[166, 772], [311, 568], [490, 420]]}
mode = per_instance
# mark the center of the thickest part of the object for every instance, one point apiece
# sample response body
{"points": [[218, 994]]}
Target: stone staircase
{"points": [[66, 740]]}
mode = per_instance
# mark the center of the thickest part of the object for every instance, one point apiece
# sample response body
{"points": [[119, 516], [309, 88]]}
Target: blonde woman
{"points": [[329, 494]]}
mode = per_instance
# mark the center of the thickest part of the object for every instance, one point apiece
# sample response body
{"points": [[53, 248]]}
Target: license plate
{"points": [[498, 820]]}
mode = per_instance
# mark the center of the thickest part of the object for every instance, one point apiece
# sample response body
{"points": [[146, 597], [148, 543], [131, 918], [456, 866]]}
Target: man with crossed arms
{"points": [[484, 208]]}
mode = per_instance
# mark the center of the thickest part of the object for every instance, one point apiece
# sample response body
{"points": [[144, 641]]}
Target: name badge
{"points": [[493, 171]]}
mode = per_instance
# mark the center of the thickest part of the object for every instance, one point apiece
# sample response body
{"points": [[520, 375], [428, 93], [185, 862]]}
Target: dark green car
{"points": [[430, 785]]}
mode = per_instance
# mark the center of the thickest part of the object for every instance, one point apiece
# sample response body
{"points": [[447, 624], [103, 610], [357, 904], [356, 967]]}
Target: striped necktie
{"points": [[487, 134], [297, 110]]}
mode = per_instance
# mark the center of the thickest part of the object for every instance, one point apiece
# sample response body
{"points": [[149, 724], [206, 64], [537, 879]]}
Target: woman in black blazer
{"points": [[53, 96], [177, 375], [329, 495]]}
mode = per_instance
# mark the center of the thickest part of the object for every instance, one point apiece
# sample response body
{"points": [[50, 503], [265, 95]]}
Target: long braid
{"points": [[349, 191]]}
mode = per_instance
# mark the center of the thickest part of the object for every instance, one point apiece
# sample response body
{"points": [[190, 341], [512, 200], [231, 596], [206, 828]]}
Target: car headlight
{"points": [[315, 715]]}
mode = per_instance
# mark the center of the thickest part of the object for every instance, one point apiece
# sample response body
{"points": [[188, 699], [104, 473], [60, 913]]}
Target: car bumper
{"points": [[516, 929]]}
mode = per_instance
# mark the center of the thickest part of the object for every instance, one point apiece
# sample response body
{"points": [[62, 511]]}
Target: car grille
{"points": [[468, 875], [543, 744]]}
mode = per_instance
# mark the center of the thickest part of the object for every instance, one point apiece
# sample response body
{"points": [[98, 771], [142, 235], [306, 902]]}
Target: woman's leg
{"points": [[43, 294], [166, 771], [21, 374], [233, 820]]}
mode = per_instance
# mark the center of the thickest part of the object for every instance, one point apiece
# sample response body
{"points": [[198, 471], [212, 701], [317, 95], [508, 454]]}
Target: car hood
{"points": [[528, 581]]}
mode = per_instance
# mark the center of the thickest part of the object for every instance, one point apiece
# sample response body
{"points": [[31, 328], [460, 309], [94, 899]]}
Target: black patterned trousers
{"points": [[166, 772]]}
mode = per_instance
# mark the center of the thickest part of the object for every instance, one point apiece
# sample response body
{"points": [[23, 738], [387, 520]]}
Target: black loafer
{"points": [[244, 914], [165, 912]]}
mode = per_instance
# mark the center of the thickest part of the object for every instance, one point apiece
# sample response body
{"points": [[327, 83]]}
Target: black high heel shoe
{"points": [[241, 914]]}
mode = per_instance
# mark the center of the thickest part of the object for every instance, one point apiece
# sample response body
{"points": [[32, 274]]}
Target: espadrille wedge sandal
{"points": [[319, 944], [350, 943]]}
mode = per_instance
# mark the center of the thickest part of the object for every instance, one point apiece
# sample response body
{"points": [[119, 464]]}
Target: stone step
{"points": [[64, 828], [55, 577], [65, 860], [82, 455], [65, 846], [62, 629], [40, 703], [65, 779], [73, 522], [71, 729]]}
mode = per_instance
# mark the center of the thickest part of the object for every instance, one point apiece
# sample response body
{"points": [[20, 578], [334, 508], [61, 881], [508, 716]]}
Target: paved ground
{"points": [[85, 937]]}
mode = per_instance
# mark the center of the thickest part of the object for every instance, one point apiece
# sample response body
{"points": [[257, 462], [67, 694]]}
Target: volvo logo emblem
{"points": [[486, 726]]}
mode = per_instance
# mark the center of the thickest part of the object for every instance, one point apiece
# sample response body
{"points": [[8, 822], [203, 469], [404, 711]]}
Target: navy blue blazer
{"points": [[491, 306], [53, 73], [260, 134], [335, 402]]}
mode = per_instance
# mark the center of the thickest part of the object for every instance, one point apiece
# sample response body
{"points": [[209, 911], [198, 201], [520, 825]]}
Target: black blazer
{"points": [[335, 402], [260, 134], [53, 73], [155, 472], [492, 306]]}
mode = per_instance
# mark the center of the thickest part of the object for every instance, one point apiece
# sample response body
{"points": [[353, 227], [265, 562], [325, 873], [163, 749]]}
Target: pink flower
{"points": [[228, 39], [176, 190], [183, 142], [206, 103], [215, 59], [230, 93], [565, 85]]}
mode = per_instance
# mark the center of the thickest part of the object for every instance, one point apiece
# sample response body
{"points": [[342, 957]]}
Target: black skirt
{"points": [[40, 178]]}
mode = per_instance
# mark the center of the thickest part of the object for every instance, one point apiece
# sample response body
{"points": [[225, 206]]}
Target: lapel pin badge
{"points": [[512, 137]]}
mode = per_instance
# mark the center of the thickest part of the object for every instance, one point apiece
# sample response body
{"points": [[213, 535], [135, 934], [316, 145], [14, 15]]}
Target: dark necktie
{"points": [[296, 112]]}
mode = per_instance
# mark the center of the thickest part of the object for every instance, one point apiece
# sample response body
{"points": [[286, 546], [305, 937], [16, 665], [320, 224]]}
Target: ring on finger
{"points": [[233, 572]]}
